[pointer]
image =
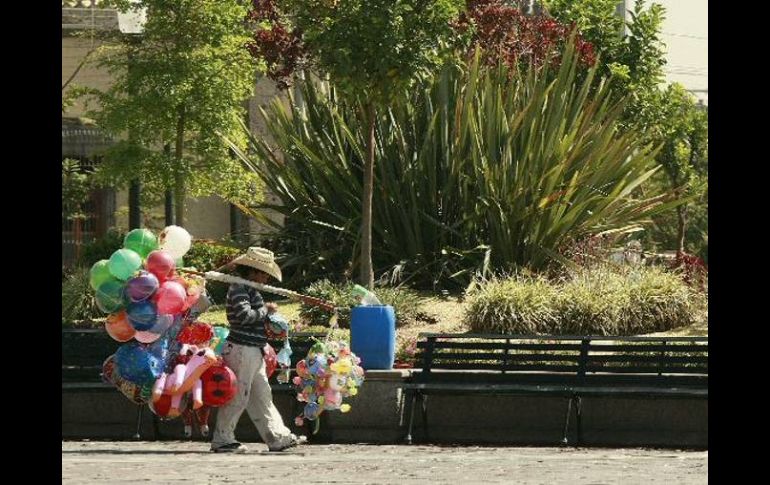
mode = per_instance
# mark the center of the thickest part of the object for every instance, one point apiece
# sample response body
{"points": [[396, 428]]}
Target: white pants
{"points": [[254, 396]]}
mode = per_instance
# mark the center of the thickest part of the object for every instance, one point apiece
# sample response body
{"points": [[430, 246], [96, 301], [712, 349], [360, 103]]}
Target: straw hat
{"points": [[261, 259]]}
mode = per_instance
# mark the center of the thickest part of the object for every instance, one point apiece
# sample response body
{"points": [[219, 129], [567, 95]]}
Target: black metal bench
{"points": [[568, 367], [85, 350]]}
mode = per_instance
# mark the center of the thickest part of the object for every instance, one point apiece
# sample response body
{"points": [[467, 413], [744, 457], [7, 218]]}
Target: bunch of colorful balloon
{"points": [[149, 308], [328, 374], [139, 288]]}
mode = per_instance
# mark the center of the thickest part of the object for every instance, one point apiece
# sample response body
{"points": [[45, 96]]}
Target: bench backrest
{"points": [[543, 358]]}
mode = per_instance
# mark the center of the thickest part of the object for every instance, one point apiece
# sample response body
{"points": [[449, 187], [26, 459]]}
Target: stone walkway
{"points": [[176, 462]]}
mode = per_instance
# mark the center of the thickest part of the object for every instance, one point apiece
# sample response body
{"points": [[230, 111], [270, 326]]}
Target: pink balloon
{"points": [[193, 295], [161, 264], [146, 337], [171, 298]]}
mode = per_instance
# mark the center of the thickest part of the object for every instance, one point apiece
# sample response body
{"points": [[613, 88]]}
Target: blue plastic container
{"points": [[373, 335]]}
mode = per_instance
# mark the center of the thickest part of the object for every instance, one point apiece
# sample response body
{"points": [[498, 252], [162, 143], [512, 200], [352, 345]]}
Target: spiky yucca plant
{"points": [[479, 168]]}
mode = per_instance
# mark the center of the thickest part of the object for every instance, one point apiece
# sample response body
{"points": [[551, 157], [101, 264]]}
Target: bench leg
{"points": [[411, 419], [138, 434], [579, 410], [156, 427], [564, 439], [424, 402]]}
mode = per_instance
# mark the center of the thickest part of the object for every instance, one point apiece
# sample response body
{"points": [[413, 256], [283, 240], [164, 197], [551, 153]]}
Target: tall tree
{"points": [[371, 50], [681, 126], [182, 83]]}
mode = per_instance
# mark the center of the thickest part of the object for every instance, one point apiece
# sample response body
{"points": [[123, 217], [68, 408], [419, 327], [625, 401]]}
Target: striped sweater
{"points": [[246, 314]]}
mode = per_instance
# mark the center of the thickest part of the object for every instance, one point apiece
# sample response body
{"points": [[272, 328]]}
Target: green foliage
{"points": [[681, 126], [515, 305], [75, 189], [374, 48], [405, 303], [208, 256], [101, 248], [77, 298], [479, 169], [600, 300], [629, 50], [668, 117], [183, 83]]}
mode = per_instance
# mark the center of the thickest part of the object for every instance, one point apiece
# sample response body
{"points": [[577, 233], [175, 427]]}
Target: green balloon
{"points": [[124, 263], [179, 263], [100, 272], [141, 241], [220, 335], [109, 296]]}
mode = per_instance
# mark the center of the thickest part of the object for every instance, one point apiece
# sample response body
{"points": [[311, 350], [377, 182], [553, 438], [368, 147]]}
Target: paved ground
{"points": [[173, 462]]}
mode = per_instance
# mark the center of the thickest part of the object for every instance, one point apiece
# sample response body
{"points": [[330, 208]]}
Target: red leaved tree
{"points": [[276, 42], [505, 34]]}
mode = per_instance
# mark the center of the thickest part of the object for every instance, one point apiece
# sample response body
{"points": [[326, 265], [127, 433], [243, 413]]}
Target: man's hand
{"points": [[271, 308]]}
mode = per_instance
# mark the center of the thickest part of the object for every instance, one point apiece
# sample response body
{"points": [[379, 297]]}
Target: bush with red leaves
{"points": [[505, 34], [694, 270], [279, 45]]}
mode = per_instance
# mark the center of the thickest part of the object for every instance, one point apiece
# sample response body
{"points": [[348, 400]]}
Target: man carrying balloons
{"points": [[247, 314]]}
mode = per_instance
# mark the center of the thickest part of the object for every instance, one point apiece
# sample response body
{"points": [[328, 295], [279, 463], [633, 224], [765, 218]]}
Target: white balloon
{"points": [[175, 240]]}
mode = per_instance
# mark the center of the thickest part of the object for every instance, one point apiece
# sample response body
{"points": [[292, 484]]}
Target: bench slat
{"points": [[437, 356], [649, 348], [664, 359], [500, 367], [499, 346], [649, 369]]}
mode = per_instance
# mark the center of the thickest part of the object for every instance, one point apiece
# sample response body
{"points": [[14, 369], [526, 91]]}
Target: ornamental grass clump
{"points": [[600, 300], [513, 305]]}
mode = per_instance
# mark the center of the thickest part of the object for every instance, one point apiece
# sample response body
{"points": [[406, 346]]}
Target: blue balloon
{"points": [[162, 323], [310, 409], [142, 315], [137, 364]]}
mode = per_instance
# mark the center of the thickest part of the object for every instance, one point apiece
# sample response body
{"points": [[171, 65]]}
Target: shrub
{"points": [[601, 300], [476, 168], [207, 256], [660, 301], [405, 302], [513, 305], [101, 248], [77, 299]]}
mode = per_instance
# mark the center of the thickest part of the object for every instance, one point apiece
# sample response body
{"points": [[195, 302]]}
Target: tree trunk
{"points": [[367, 273], [168, 203], [180, 191], [681, 213]]}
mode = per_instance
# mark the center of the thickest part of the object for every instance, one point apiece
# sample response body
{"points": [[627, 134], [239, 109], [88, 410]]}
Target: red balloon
{"points": [[197, 333], [219, 385], [161, 264], [271, 360], [162, 406], [171, 298]]}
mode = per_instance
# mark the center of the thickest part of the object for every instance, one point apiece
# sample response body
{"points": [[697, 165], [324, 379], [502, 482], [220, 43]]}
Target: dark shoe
{"points": [[230, 448], [293, 441]]}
